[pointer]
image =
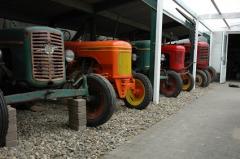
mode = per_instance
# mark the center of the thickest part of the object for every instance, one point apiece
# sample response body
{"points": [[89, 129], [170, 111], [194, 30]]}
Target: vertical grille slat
{"points": [[47, 67]]}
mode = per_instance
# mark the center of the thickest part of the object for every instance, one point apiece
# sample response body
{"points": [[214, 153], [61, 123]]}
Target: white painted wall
{"points": [[216, 52]]}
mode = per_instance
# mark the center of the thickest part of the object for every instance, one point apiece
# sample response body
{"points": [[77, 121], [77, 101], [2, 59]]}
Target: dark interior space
{"points": [[233, 59]]}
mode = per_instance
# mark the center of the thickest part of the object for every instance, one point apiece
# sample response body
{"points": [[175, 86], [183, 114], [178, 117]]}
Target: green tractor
{"points": [[33, 67], [141, 56], [171, 82]]}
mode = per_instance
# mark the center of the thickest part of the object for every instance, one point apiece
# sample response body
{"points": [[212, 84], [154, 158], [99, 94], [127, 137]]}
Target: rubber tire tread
{"points": [[204, 78], [214, 73], [111, 100], [3, 120], [192, 82], [148, 92], [209, 79], [179, 84]]}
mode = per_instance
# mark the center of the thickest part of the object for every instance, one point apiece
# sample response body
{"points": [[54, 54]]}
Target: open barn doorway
{"points": [[233, 57]]}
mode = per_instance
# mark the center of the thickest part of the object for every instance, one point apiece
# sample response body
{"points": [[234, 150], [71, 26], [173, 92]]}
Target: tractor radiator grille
{"points": [[203, 53], [47, 56]]}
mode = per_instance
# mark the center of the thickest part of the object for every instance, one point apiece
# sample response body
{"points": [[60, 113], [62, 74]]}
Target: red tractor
{"points": [[170, 80], [174, 76], [205, 73], [173, 61]]}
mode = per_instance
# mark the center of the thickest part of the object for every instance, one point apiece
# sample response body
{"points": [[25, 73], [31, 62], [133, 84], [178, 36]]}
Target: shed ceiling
{"points": [[127, 15]]}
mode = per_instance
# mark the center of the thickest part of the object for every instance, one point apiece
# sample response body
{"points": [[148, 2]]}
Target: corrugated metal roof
{"points": [[225, 7]]}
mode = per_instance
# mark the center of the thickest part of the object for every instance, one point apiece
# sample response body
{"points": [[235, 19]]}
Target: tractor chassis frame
{"points": [[48, 94]]}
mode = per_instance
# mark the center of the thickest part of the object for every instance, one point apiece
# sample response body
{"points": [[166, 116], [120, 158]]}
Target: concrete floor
{"points": [[207, 129]]}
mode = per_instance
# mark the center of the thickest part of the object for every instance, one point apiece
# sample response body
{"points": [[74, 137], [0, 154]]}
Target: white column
{"points": [[195, 53], [157, 60], [210, 49]]}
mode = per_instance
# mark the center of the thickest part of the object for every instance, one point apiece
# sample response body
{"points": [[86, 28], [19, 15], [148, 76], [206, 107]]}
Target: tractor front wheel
{"points": [[201, 78], [212, 72], [188, 82], [142, 95], [101, 101], [3, 120], [172, 86]]}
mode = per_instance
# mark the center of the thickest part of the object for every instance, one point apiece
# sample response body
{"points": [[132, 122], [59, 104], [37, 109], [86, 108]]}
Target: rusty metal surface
{"points": [[47, 56]]}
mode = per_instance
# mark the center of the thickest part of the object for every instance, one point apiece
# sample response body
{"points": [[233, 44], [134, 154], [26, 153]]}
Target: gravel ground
{"points": [[46, 134]]}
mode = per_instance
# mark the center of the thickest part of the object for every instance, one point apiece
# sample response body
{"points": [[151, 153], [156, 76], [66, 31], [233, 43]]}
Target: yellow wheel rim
{"points": [[135, 99], [186, 82]]}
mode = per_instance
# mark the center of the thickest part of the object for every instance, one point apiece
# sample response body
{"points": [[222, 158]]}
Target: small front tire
{"points": [[188, 82], [141, 97], [201, 78], [209, 79], [212, 72], [172, 86]]}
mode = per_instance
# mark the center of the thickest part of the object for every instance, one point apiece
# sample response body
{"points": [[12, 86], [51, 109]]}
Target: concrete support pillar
{"points": [[157, 60]]}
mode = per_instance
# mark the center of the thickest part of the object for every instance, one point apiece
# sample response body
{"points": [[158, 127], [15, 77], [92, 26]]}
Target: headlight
{"points": [[134, 57], [69, 55], [163, 57]]}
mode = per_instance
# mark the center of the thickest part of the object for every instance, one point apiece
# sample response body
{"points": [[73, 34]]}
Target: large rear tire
{"points": [[172, 86], [212, 72], [141, 97], [101, 101], [209, 79], [201, 78], [3, 120], [188, 82], [101, 105]]}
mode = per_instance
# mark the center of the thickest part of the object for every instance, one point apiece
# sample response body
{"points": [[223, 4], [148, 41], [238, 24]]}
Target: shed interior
{"points": [[127, 20], [233, 59]]}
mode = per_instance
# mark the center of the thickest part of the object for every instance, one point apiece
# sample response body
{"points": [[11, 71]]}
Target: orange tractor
{"points": [[112, 59]]}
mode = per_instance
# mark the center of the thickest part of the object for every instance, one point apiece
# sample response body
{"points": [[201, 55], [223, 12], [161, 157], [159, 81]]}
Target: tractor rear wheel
{"points": [[172, 86], [212, 72], [102, 100], [3, 120], [201, 78], [188, 82], [209, 79], [141, 97]]}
